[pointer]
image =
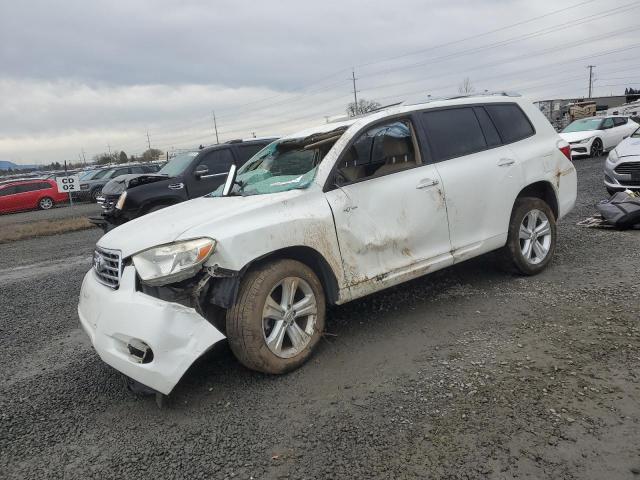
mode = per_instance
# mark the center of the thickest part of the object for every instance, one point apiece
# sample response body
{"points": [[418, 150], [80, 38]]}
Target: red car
{"points": [[30, 194]]}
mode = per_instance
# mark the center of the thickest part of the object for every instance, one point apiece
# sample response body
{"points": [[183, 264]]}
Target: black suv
{"points": [[186, 176]]}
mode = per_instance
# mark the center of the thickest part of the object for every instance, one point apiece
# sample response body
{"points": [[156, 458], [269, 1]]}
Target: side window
{"points": [[7, 191], [510, 121], [120, 171], [488, 128], [136, 169], [43, 186], [218, 161], [28, 187], [618, 121], [245, 152], [453, 132], [381, 150], [608, 123]]}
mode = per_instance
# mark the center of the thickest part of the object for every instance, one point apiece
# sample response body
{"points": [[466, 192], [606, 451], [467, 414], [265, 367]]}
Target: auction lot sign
{"points": [[68, 184]]}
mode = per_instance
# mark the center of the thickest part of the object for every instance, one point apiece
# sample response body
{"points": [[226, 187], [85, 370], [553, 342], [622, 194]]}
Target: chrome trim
{"points": [[107, 266]]}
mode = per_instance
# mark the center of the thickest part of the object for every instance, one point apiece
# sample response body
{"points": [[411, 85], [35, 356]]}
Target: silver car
{"points": [[622, 168]]}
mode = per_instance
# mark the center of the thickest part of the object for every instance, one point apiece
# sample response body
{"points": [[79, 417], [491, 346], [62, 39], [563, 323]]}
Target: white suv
{"points": [[321, 217]]}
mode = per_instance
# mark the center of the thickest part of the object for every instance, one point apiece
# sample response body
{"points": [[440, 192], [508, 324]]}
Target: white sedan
{"points": [[595, 135]]}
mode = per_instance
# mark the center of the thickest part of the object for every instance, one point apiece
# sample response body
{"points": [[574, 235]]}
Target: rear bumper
{"points": [[117, 320]]}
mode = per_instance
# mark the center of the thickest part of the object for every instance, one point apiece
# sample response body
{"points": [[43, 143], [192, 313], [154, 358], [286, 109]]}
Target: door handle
{"points": [[426, 183], [506, 162]]}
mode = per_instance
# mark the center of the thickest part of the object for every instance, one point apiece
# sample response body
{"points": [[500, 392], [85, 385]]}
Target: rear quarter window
{"points": [[511, 122]]}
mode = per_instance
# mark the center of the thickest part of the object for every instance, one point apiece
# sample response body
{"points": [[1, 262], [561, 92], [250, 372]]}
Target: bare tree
{"points": [[466, 87], [364, 106]]}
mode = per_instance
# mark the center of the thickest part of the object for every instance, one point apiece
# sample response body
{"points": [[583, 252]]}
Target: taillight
{"points": [[565, 148]]}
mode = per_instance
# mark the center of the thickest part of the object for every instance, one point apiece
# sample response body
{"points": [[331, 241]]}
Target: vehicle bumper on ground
{"points": [[122, 322], [614, 179]]}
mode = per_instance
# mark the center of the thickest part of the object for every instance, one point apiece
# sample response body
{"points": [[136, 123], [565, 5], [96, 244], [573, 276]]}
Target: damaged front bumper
{"points": [[150, 340]]}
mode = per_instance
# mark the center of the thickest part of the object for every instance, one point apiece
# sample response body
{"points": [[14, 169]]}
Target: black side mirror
{"points": [[201, 171]]}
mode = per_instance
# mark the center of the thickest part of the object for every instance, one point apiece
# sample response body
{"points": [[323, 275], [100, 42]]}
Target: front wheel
{"points": [[278, 317], [596, 148], [532, 235]]}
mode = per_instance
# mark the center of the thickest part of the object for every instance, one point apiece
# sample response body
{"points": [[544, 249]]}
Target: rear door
{"points": [[216, 163], [480, 176], [26, 196], [388, 207]]}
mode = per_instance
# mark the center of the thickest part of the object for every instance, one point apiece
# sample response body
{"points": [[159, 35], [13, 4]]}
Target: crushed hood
{"points": [[121, 183], [629, 147], [204, 214], [577, 136]]}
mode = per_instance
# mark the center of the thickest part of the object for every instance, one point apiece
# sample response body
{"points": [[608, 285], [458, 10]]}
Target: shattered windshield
{"points": [[177, 164], [285, 164]]}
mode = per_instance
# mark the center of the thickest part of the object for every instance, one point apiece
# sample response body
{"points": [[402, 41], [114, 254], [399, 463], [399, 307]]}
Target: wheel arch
{"points": [[224, 292], [544, 191]]}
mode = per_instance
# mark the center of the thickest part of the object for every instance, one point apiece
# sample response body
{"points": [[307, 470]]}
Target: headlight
{"points": [[121, 199], [586, 140], [613, 156], [84, 186], [172, 262]]}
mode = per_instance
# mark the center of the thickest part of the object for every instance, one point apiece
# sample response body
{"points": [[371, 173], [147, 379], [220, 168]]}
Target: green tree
{"points": [[122, 157]]}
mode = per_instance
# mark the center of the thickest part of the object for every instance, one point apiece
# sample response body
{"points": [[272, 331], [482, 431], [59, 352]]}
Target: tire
{"points": [[526, 257], [95, 193], [596, 148], [45, 203], [254, 339]]}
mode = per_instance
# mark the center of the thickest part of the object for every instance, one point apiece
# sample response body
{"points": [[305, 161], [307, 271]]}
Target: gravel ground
{"points": [[60, 212], [467, 373]]}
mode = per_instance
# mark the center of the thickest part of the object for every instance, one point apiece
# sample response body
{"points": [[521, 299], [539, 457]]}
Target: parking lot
{"points": [[471, 372]]}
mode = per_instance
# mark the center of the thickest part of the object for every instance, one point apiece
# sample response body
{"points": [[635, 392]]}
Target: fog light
{"points": [[139, 351]]}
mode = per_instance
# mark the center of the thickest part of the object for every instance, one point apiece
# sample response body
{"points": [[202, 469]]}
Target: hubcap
{"points": [[46, 203], [289, 317], [535, 236]]}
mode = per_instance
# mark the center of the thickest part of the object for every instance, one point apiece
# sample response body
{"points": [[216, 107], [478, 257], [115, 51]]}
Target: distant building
{"points": [[559, 112]]}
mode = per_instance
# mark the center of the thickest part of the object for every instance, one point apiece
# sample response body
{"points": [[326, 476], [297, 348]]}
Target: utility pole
{"points": [[148, 140], [84, 158], [355, 92], [109, 148], [254, 134], [215, 126], [590, 67]]}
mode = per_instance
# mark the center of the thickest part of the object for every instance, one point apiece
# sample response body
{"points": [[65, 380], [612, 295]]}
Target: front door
{"points": [[209, 173], [389, 209]]}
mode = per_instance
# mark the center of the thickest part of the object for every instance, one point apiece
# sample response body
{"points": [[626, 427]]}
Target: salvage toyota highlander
{"points": [[323, 217]]}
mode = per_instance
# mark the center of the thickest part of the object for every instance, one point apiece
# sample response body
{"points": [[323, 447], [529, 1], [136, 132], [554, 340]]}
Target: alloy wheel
{"points": [[289, 317], [596, 148], [535, 236], [46, 203]]}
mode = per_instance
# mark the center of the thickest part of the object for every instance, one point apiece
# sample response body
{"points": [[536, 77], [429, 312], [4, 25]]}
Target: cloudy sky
{"points": [[92, 75]]}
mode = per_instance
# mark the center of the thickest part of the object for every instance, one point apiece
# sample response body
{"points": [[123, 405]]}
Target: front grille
{"points": [[627, 168], [107, 265]]}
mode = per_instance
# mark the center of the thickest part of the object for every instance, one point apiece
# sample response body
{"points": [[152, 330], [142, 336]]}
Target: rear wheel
{"points": [[278, 317], [531, 242], [45, 203], [596, 148]]}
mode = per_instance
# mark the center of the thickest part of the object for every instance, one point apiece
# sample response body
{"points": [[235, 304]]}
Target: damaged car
{"points": [[322, 217]]}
